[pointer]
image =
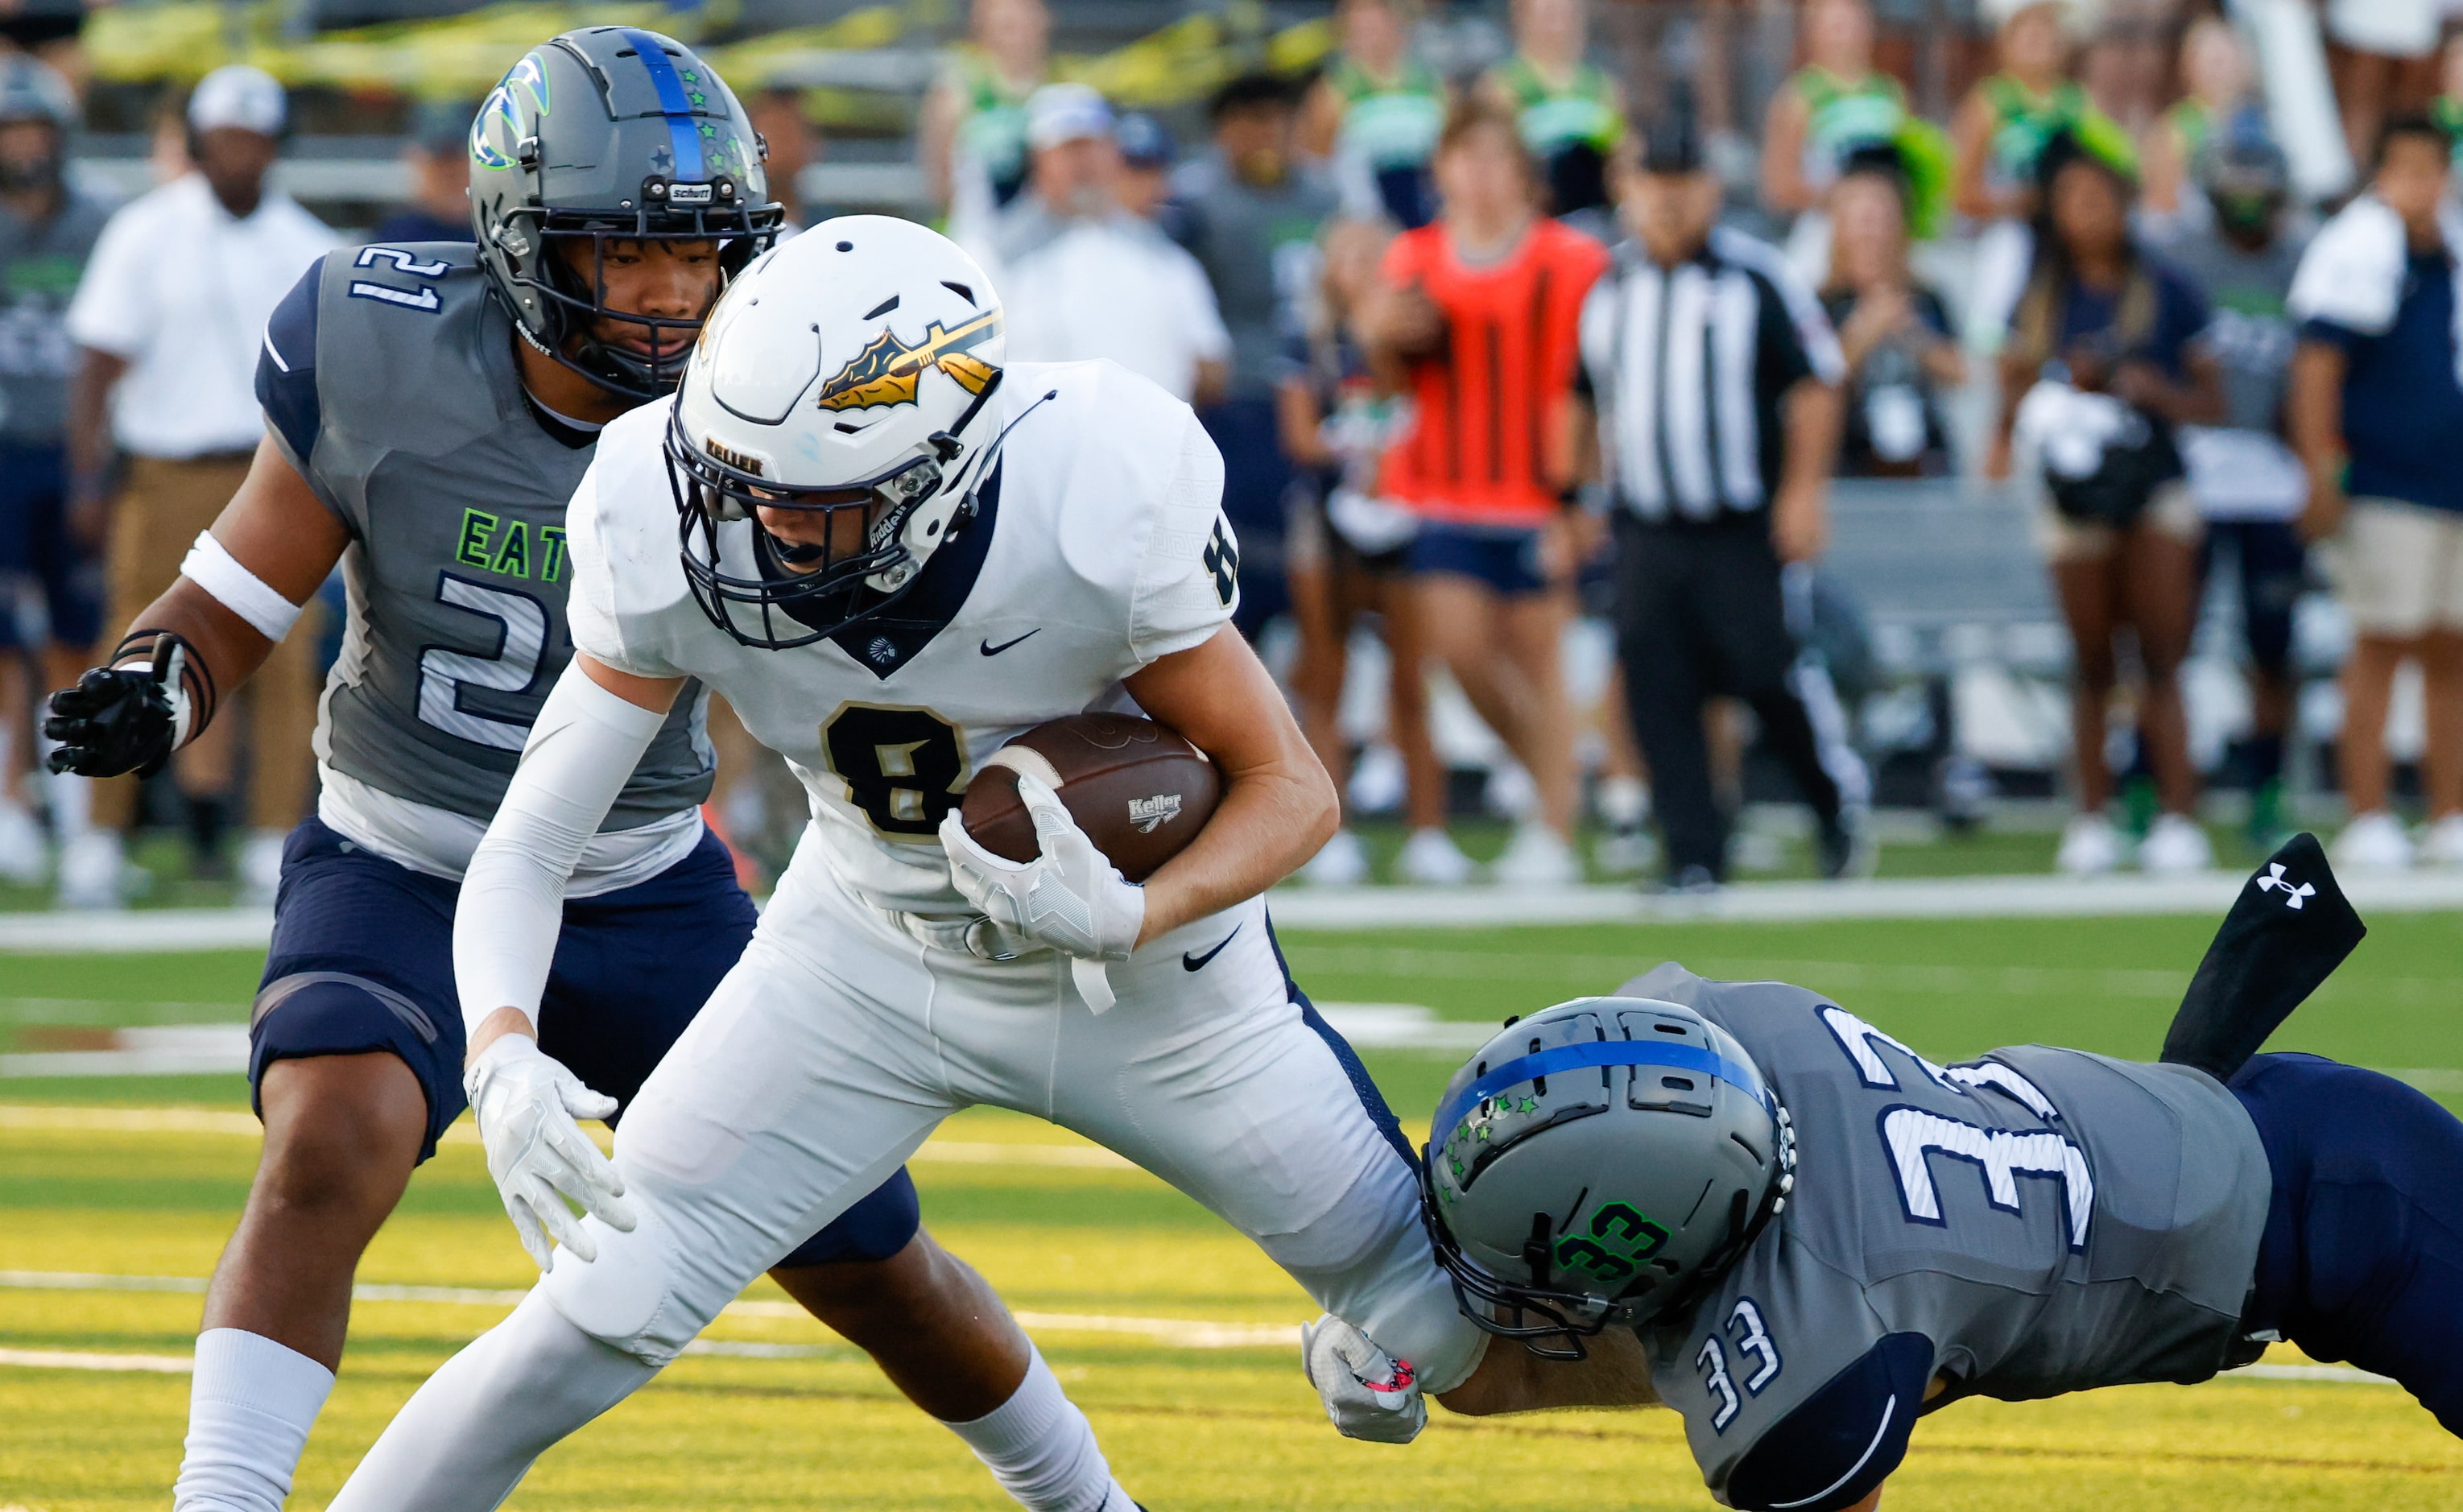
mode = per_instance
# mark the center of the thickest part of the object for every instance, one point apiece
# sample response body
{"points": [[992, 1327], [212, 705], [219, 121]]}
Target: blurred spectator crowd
{"points": [[1535, 336]]}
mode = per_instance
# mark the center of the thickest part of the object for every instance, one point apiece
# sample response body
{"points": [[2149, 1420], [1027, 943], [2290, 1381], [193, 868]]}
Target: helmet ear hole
{"points": [[1535, 1249]]}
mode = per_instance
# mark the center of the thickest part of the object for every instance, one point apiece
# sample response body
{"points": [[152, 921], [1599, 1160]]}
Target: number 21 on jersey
{"points": [[905, 767]]}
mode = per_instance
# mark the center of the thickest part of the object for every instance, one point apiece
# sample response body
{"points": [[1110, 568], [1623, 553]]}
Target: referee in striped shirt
{"points": [[1713, 383]]}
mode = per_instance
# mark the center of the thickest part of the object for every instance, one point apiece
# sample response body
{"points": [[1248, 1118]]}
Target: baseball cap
{"points": [[32, 91], [238, 94], [1142, 142], [443, 130], [1058, 113]]}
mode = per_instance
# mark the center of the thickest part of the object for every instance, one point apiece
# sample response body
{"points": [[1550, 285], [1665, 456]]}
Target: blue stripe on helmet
{"points": [[681, 131], [1591, 1054]]}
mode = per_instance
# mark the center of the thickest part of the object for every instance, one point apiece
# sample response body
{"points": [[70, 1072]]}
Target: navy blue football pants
{"points": [[363, 960], [2363, 1258]]}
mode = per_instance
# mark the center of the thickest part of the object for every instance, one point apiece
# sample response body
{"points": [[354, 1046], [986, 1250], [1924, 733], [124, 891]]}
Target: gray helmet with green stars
{"points": [[603, 135], [1600, 1164]]}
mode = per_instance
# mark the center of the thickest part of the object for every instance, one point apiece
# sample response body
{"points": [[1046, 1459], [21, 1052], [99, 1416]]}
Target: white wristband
{"points": [[211, 566]]}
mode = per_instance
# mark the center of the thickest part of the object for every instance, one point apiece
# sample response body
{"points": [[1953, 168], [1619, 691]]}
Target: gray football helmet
{"points": [[1600, 1164], [30, 90], [611, 134], [2245, 175]]}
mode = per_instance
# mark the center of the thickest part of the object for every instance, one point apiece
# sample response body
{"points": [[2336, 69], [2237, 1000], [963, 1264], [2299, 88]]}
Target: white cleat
{"points": [[93, 871], [2443, 845], [2372, 841], [1431, 859], [260, 868], [2176, 846], [24, 855], [1343, 863], [1626, 852], [2090, 847], [1537, 857]]}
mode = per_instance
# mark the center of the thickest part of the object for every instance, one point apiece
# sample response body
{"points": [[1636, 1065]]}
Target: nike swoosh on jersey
{"points": [[1198, 963], [990, 650]]}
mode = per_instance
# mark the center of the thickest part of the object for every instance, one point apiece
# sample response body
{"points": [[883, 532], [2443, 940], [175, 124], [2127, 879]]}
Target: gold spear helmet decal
{"points": [[886, 371]]}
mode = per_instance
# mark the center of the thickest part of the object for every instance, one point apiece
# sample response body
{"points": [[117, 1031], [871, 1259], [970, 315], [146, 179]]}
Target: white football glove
{"points": [[1369, 1393], [1069, 898], [525, 1104]]}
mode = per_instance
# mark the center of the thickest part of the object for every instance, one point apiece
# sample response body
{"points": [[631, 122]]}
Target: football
{"points": [[1139, 791]]}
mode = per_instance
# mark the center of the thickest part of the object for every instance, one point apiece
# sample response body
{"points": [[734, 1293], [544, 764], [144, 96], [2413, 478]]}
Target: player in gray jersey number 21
{"points": [[430, 409], [1743, 1201]]}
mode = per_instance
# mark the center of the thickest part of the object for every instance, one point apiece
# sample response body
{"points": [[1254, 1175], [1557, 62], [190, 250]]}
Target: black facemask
{"points": [[43, 174], [2245, 214]]}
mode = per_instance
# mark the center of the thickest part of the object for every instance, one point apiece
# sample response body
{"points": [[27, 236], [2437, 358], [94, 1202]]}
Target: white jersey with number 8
{"points": [[1099, 546]]}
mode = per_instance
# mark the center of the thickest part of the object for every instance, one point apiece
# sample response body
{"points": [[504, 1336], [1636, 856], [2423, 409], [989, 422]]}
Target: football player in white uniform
{"points": [[896, 555]]}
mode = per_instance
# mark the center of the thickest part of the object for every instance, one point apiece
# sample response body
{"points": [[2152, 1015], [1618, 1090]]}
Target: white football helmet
{"points": [[850, 368]]}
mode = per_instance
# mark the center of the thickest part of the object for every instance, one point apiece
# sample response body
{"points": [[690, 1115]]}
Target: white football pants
{"points": [[844, 1037]]}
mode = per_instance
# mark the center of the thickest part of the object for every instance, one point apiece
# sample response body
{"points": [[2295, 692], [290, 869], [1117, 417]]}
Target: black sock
{"points": [[205, 830], [2265, 758]]}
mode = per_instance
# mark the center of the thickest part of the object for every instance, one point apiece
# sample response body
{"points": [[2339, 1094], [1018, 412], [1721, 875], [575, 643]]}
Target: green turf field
{"points": [[1163, 1324]]}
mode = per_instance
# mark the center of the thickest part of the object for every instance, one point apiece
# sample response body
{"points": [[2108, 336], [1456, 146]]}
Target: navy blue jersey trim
{"points": [[1374, 1101], [1841, 1441], [286, 367]]}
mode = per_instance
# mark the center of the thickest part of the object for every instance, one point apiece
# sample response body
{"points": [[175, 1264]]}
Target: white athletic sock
{"points": [[250, 1405], [71, 798], [1041, 1448], [467, 1437], [1623, 802]]}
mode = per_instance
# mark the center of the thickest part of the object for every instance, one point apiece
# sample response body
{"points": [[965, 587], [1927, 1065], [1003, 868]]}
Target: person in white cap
{"points": [[1112, 285], [1070, 167], [168, 318]]}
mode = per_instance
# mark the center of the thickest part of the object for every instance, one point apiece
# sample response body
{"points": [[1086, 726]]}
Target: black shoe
{"points": [[1844, 847]]}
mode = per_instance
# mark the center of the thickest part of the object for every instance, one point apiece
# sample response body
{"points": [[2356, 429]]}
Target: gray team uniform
{"points": [[2038, 1221], [40, 263], [2242, 470], [389, 379]]}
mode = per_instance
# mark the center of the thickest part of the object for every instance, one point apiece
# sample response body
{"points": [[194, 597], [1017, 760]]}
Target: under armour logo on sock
{"points": [[2292, 891]]}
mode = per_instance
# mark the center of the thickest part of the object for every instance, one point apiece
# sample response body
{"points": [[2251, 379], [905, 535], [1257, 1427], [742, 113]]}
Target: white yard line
{"points": [[1190, 1333], [136, 931], [82, 1360], [2331, 1374], [42, 1118], [1303, 907], [1300, 908], [1181, 1333], [107, 1011], [223, 1048]]}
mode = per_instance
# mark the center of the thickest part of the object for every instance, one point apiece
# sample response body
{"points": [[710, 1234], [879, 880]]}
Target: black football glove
{"points": [[116, 719]]}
